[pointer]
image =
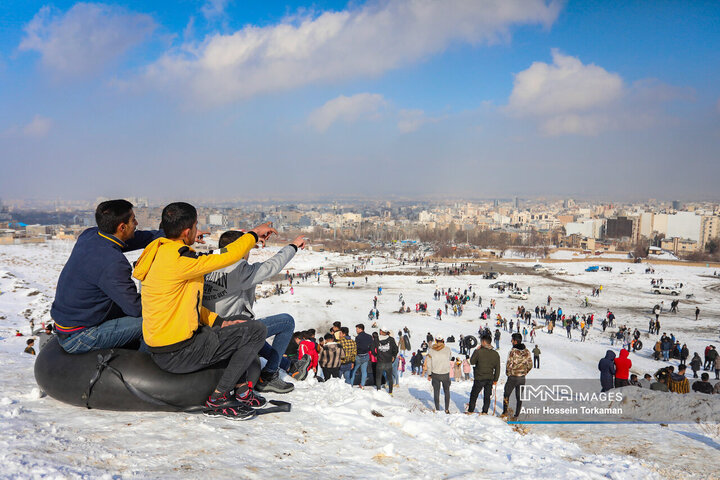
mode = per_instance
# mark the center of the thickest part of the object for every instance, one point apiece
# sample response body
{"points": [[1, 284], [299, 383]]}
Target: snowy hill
{"points": [[332, 432]]}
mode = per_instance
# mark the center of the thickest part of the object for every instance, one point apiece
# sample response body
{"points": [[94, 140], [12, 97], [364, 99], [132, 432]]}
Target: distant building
{"points": [[676, 205], [621, 227], [216, 219], [679, 246], [590, 228], [710, 229]]}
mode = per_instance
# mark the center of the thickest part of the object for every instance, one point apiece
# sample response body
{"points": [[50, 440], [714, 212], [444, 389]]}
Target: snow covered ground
{"points": [[331, 432]]}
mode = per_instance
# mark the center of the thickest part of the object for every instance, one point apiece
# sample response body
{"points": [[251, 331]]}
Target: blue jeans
{"points": [[345, 370], [395, 366], [113, 333], [666, 355], [280, 326], [361, 362]]}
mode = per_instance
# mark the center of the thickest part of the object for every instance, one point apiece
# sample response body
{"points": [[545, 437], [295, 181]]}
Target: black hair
{"points": [[176, 217], [110, 214], [486, 338], [229, 237], [345, 331], [360, 326], [704, 377], [30, 341], [329, 336], [517, 337], [337, 324]]}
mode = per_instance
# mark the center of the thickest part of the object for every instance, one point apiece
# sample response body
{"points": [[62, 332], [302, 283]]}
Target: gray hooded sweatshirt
{"points": [[231, 290]]}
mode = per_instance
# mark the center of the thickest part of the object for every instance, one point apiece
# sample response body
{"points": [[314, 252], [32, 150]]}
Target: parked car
{"points": [[594, 268], [540, 268], [664, 290], [518, 294], [490, 275], [499, 284], [561, 271], [426, 281]]}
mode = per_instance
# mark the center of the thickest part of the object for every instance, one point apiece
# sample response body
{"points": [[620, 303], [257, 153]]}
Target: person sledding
{"points": [[182, 335], [231, 291]]}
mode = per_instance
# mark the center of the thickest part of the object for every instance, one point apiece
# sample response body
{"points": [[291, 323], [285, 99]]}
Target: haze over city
{"points": [[226, 100]]}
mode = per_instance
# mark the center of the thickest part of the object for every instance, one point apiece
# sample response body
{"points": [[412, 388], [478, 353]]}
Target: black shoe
{"points": [[271, 382], [221, 400], [251, 399], [237, 412]]}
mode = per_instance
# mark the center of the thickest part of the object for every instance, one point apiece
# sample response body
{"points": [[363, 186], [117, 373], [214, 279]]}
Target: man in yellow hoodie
{"points": [[181, 334]]}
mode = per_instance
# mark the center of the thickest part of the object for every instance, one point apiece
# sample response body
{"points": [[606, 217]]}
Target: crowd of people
{"points": [[196, 310]]}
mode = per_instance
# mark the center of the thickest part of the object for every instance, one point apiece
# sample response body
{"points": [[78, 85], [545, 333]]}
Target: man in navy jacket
{"points": [[97, 304]]}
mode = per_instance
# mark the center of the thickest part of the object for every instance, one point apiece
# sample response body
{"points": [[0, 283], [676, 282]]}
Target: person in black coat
{"points": [[695, 364], [607, 370]]}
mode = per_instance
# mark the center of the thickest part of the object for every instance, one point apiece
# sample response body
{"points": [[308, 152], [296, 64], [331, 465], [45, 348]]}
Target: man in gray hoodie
{"points": [[231, 291]]}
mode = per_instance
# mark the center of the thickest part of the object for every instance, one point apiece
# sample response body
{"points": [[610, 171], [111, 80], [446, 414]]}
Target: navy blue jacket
{"points": [[364, 343], [607, 370], [95, 284]]}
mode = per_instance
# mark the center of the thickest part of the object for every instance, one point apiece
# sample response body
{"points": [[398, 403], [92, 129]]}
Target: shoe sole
{"points": [[272, 389], [233, 418]]}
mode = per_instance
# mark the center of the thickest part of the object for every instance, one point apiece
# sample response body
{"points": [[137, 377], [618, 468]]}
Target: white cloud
{"points": [[346, 109], [38, 127], [412, 119], [364, 41], [214, 8], [569, 97], [566, 96], [85, 38]]}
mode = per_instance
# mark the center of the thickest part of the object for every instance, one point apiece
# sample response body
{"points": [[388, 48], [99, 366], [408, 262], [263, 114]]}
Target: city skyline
{"points": [[224, 100]]}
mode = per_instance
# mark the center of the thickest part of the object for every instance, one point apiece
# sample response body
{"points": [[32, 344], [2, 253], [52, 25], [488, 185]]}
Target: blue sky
{"points": [[231, 99]]}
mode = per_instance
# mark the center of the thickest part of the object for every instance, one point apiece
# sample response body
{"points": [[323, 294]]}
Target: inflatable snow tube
{"points": [[123, 380], [470, 342]]}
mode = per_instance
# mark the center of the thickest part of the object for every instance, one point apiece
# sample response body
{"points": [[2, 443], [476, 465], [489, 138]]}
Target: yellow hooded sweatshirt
{"points": [[172, 279]]}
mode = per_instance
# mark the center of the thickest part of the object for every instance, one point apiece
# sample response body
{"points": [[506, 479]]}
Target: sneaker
{"points": [[272, 383], [301, 368], [237, 412], [221, 400], [251, 399]]}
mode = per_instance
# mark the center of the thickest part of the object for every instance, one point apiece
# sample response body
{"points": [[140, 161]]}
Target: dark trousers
{"points": [[536, 361], [513, 383], [486, 387], [388, 369], [331, 372], [621, 382], [439, 379], [239, 344]]}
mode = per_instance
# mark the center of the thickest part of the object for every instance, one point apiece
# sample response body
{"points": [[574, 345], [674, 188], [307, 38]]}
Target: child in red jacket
{"points": [[622, 369], [307, 347]]}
